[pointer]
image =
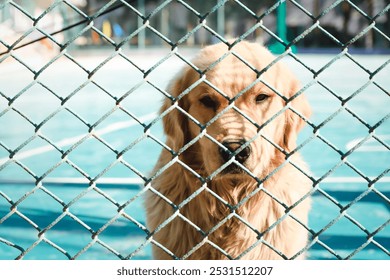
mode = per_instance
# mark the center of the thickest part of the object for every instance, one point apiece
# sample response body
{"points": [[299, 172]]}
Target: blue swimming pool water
{"points": [[95, 211], [97, 207]]}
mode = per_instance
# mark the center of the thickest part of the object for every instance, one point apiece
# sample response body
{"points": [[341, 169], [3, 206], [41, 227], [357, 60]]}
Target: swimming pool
{"points": [[94, 208]]}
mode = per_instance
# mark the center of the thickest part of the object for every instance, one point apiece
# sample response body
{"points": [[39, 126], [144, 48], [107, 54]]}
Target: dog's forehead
{"points": [[234, 70], [231, 78], [250, 55]]}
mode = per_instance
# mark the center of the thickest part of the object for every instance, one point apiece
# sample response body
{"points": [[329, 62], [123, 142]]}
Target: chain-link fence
{"points": [[81, 133]]}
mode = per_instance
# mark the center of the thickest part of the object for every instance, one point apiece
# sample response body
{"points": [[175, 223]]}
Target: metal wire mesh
{"points": [[122, 208]]}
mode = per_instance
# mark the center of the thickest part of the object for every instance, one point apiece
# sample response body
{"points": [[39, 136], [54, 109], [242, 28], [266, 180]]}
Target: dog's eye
{"points": [[261, 97], [208, 102]]}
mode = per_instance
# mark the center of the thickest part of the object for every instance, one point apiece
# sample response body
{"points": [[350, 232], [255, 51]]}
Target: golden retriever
{"points": [[223, 187]]}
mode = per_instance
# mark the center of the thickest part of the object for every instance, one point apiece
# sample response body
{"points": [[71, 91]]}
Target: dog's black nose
{"points": [[232, 146]]}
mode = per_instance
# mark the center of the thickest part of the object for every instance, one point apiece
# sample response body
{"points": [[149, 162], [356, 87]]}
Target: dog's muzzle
{"points": [[230, 151]]}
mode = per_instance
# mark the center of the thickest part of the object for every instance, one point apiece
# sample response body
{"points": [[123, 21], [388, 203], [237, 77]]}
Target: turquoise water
{"points": [[94, 209]]}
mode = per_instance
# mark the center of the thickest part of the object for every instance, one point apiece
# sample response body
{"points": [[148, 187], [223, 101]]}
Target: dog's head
{"points": [[241, 114]]}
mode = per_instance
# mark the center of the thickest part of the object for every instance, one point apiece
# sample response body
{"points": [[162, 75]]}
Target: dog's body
{"points": [[231, 215]]}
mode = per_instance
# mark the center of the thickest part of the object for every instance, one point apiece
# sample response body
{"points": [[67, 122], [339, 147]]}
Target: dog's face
{"points": [[242, 115]]}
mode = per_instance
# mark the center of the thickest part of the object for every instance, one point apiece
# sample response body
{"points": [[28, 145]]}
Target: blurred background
{"points": [[231, 20]]}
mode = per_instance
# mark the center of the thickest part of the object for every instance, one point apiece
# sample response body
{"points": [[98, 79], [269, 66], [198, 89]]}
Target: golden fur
{"points": [[232, 237]]}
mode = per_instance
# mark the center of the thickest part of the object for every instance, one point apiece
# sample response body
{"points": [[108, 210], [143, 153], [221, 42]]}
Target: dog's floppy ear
{"points": [[293, 122], [175, 122]]}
